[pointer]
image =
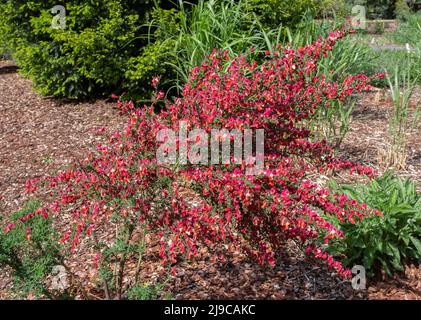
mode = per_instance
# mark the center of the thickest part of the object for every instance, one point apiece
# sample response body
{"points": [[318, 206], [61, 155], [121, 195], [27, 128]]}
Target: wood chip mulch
{"points": [[41, 136], [367, 140]]}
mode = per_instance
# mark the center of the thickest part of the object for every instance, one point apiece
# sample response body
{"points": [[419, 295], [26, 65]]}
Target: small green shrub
{"points": [[378, 27], [408, 31], [145, 292], [380, 9], [101, 49], [30, 251], [153, 58], [331, 8], [289, 13], [402, 10], [383, 242], [390, 60]]}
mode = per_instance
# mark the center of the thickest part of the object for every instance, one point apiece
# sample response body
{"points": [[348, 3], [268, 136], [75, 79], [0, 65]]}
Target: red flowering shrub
{"points": [[190, 206]]}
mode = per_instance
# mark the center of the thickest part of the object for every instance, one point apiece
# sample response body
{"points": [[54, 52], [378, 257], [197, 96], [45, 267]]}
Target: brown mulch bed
{"points": [[41, 135], [367, 141]]}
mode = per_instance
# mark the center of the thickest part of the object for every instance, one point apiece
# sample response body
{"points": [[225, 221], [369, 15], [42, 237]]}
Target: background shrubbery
{"points": [[389, 241], [122, 45], [102, 40], [30, 251], [119, 46], [287, 12]]}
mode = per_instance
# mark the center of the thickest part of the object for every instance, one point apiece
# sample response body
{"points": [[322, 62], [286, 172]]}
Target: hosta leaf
{"points": [[393, 250], [393, 198], [368, 259], [417, 243], [385, 266]]}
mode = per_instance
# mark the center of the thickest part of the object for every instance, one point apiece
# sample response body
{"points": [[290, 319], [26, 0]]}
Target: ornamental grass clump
{"points": [[219, 206]]}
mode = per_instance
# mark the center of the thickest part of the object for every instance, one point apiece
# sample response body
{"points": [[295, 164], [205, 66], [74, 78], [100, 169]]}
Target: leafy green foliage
{"points": [[145, 292], [386, 241], [391, 60], [31, 261], [402, 87], [331, 8], [380, 8], [114, 45], [289, 13], [153, 58], [102, 40], [402, 10], [186, 36], [408, 31]]}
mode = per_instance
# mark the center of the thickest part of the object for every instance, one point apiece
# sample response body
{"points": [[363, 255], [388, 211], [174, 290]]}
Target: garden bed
{"points": [[41, 135]]}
